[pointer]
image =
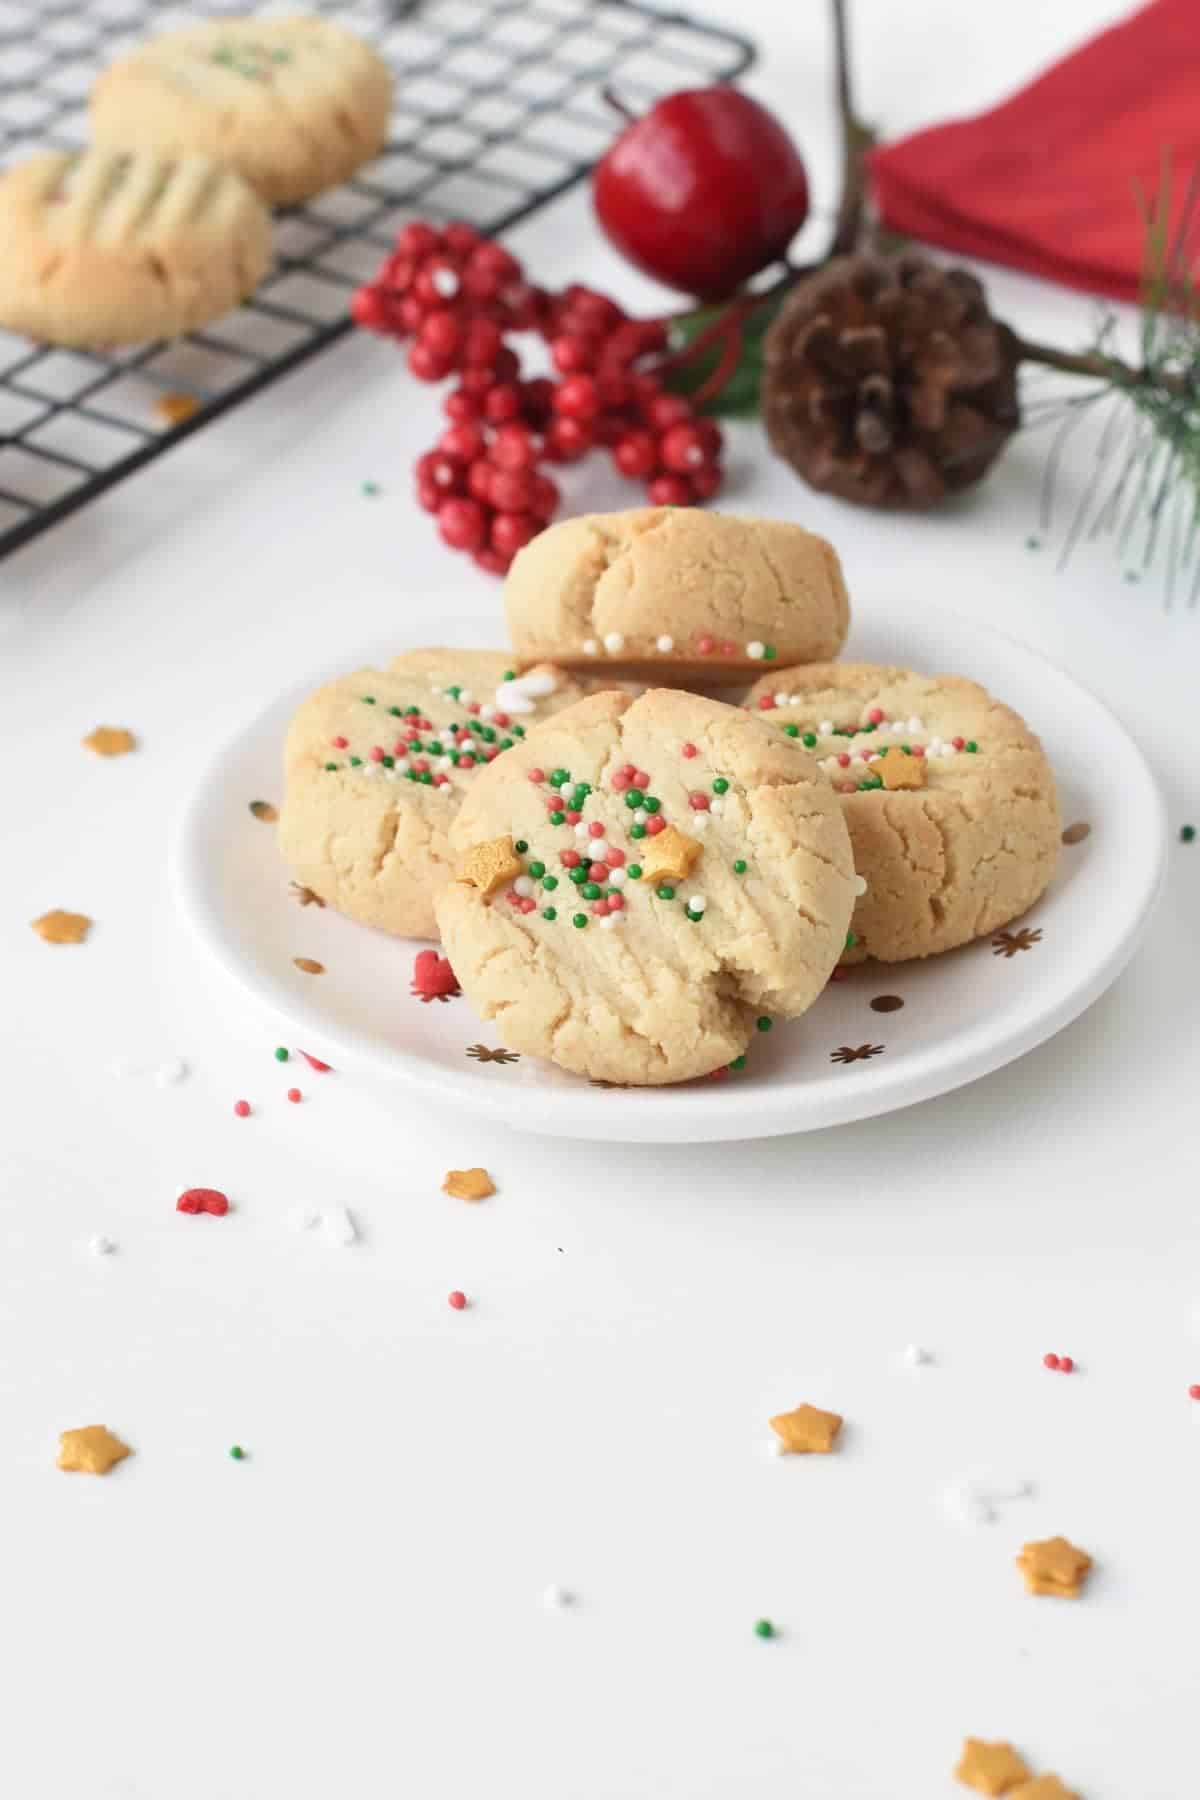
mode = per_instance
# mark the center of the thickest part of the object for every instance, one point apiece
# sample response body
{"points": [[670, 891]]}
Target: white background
{"points": [[355, 1609]]}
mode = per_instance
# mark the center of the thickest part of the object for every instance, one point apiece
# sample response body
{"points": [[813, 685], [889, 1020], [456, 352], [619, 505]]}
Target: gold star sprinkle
{"points": [[488, 866], [899, 771], [990, 1768], [669, 856], [110, 740], [806, 1430], [60, 927], [91, 1450], [1042, 1787], [1054, 1566], [468, 1184]]}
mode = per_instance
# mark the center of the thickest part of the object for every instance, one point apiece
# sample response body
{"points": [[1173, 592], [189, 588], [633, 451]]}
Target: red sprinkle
{"points": [[595, 829], [203, 1200], [527, 904], [705, 646], [1050, 1361], [698, 802], [654, 824], [500, 719], [1194, 1391], [339, 743], [432, 976], [474, 708], [570, 859], [376, 753], [574, 817], [597, 871], [615, 858], [766, 702], [537, 776], [619, 783], [1066, 1364], [295, 1096], [458, 1300], [728, 647], [918, 749], [599, 907], [315, 1063], [641, 779], [242, 1108], [400, 749], [959, 743], [875, 716], [689, 750], [844, 760], [616, 902]]}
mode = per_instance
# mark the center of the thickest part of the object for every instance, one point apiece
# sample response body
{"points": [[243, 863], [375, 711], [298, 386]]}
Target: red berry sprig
{"points": [[460, 299]]}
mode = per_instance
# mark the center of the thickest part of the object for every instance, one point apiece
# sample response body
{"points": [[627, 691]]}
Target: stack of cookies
{"points": [[631, 874], [162, 225]]}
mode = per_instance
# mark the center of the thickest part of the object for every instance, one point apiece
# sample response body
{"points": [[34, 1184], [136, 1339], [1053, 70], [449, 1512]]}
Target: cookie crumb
{"points": [[990, 1768], [173, 409], [1054, 1566], [1042, 1787], [59, 927], [1075, 834], [915, 1357], [308, 965], [488, 866], [99, 1245], [468, 1184], [110, 740], [807, 1429], [262, 809], [90, 1450]]}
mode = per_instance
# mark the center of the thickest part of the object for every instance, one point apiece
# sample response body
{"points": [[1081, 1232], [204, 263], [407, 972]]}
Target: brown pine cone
{"points": [[887, 381]]}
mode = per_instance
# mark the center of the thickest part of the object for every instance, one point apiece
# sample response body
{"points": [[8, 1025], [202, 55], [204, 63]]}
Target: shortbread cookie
{"points": [[641, 881], [116, 247], [677, 594], [295, 104], [948, 795], [377, 764]]}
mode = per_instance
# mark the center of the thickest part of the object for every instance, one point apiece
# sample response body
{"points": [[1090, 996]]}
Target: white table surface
{"points": [[355, 1609]]}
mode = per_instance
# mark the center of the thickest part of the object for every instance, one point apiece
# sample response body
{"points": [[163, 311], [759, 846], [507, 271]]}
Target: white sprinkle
{"points": [[665, 643], [716, 805], [914, 1356], [101, 1245], [617, 878], [755, 650], [557, 1599], [581, 830], [168, 1073], [696, 903], [597, 848], [614, 642], [370, 768], [487, 711], [875, 757], [465, 696], [860, 884], [442, 764], [640, 816], [523, 885], [915, 725], [825, 727], [700, 821], [445, 281], [590, 647]]}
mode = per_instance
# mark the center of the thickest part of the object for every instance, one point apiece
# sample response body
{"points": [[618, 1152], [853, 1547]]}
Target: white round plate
{"points": [[962, 1015]]}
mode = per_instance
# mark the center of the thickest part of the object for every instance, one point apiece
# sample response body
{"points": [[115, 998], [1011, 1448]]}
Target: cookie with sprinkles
{"points": [[948, 795], [677, 594], [377, 764], [685, 875]]}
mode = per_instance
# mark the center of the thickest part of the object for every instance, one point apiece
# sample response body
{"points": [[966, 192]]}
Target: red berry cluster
{"points": [[460, 298]]}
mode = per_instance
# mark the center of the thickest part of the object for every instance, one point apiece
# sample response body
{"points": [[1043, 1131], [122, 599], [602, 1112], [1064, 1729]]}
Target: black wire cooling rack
{"points": [[497, 110]]}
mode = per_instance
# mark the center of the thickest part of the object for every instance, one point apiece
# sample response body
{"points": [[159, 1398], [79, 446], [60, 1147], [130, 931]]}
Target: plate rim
{"points": [[767, 1111]]}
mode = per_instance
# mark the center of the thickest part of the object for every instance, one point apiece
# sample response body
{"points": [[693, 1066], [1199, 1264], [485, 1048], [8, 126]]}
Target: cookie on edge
{"points": [[948, 794], [295, 104], [685, 872], [377, 763], [677, 594], [122, 247]]}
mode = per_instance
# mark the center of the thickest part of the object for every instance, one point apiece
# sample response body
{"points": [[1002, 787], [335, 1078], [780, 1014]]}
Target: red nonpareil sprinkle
{"points": [[242, 1108], [1050, 1361], [614, 858], [314, 1062], [766, 702], [698, 802], [570, 859], [457, 1300], [537, 776], [875, 716], [441, 781], [689, 750], [203, 1200], [620, 782], [376, 753], [466, 762], [339, 743], [918, 750], [1066, 1364], [616, 902], [654, 824], [501, 719], [295, 1096], [705, 646], [597, 871], [474, 708], [573, 817], [595, 829], [641, 779], [400, 749], [728, 647], [528, 905], [1194, 1391], [960, 743], [599, 908], [844, 759]]}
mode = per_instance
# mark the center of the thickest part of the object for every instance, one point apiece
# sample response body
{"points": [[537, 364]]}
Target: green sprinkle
{"points": [[558, 777], [389, 762], [509, 675], [720, 785], [590, 890], [410, 774], [634, 799], [769, 653], [411, 712], [1187, 834], [578, 876], [579, 921], [395, 712], [651, 803], [637, 831], [281, 1055], [356, 762], [792, 730], [666, 891], [739, 867], [869, 726], [455, 693], [634, 870], [582, 790], [520, 846], [435, 748], [851, 940], [487, 734], [549, 882], [558, 818], [368, 699], [237, 1453], [1032, 543], [906, 749], [518, 730], [971, 747], [369, 488], [537, 870], [506, 743], [739, 1062], [550, 912], [425, 778], [330, 766], [763, 1628], [763, 1024], [809, 739]]}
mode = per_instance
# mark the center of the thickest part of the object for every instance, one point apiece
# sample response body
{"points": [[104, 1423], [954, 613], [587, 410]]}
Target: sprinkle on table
{"points": [[110, 740], [241, 1109], [308, 965], [314, 1062], [295, 1096], [990, 1768], [468, 1184], [1064, 1364], [763, 1628], [1187, 834], [90, 1450], [174, 409], [1054, 1566], [282, 1054], [59, 927], [457, 1299], [263, 810], [203, 1200], [807, 1430], [237, 1453]]}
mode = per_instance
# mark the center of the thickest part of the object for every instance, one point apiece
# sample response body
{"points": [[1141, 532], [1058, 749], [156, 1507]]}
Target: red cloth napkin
{"points": [[1044, 181]]}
